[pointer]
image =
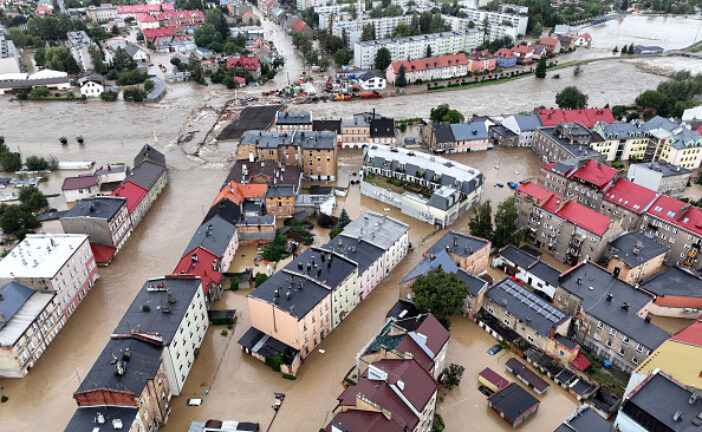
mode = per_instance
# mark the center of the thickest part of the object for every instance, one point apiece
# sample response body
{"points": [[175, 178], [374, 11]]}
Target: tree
{"points": [[344, 220], [275, 251], [40, 56], [537, 29], [631, 49], [259, 279], [229, 82], [368, 32], [17, 220], [96, 57], [33, 198], [428, 54], [506, 224], [148, 85], [216, 18], [342, 56], [18, 37], [442, 294], [480, 224], [40, 92], [453, 116], [541, 68], [438, 113], [615, 50], [324, 62], [382, 59], [451, 375], [624, 5], [401, 79], [195, 70], [571, 98]]}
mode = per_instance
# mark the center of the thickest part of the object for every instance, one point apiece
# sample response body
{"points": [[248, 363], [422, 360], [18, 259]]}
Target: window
{"points": [[506, 321], [599, 324], [625, 340], [635, 360], [639, 348], [612, 332]]}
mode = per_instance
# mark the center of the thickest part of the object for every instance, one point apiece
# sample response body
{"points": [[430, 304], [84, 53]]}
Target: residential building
{"points": [[77, 188], [256, 229], [497, 19], [587, 117], [659, 403], [182, 20], [482, 61], [200, 262], [524, 54], [104, 219], [468, 252], [457, 137], [414, 47], [265, 172], [369, 257], [213, 425], [524, 125], [611, 316], [330, 125], [136, 53], [146, 21], [137, 202], [150, 172], [56, 263], [634, 257], [584, 419], [677, 291], [505, 58], [514, 404], [621, 141], [31, 319], [503, 136], [384, 27], [660, 176], [529, 269], [430, 68], [628, 202], [356, 133], [53, 80], [78, 43], [91, 86], [677, 145], [552, 44], [587, 179], [102, 13], [293, 121], [382, 130], [564, 141], [531, 317], [280, 201], [566, 229], [85, 418], [454, 187], [371, 81]]}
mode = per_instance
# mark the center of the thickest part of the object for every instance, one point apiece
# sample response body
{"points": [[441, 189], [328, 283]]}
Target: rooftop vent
{"points": [[625, 306], [145, 308]]}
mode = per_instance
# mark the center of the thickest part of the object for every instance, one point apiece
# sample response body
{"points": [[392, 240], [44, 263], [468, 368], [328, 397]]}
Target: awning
{"points": [[581, 362]]}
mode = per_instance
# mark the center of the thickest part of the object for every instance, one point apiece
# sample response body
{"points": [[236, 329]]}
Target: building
{"points": [[91, 86], [621, 141], [629, 202], [150, 172], [371, 81], [101, 14], [552, 44], [634, 257], [505, 58], [564, 141], [293, 121], [514, 404], [457, 137], [524, 125], [566, 229], [678, 293], [587, 117], [62, 264], [587, 179], [136, 53], [223, 426], [182, 20], [584, 419], [78, 43], [430, 68], [468, 252], [356, 133], [280, 201], [85, 418], [265, 172], [449, 188], [659, 403], [528, 269], [77, 188], [31, 319], [9, 56], [382, 130], [611, 316], [660, 176], [137, 202], [525, 375], [369, 257], [414, 47], [104, 219], [23, 82]]}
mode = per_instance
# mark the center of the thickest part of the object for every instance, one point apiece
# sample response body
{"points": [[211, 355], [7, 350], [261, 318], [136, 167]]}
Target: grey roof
{"points": [[409, 39], [636, 248], [442, 132], [97, 207], [369, 75], [402, 309], [474, 130], [300, 301], [685, 138], [294, 118], [256, 220], [327, 125], [274, 191], [565, 166], [532, 310], [358, 250], [577, 150], [666, 169], [12, 297], [442, 261], [29, 83], [155, 293], [656, 401], [457, 243], [475, 284], [131, 49], [620, 130], [584, 419], [502, 131], [110, 169], [159, 87], [286, 174], [674, 281], [568, 343], [150, 154], [224, 209], [379, 230], [592, 284], [263, 344], [663, 123], [382, 128], [214, 235], [146, 174], [545, 272], [513, 401], [528, 122], [518, 256], [84, 418], [444, 198], [322, 140], [322, 266]]}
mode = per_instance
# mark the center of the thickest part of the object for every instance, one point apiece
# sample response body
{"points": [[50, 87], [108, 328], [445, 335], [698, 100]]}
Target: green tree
{"points": [[33, 198], [438, 113], [10, 161], [40, 92], [506, 224], [206, 35], [442, 294], [342, 56], [368, 32], [148, 85], [17, 220], [631, 49], [344, 220], [259, 279], [615, 50], [401, 79], [480, 224], [451, 375], [216, 18], [18, 37], [382, 59], [275, 251], [428, 53], [195, 70], [401, 30], [541, 68], [40, 56], [229, 82], [571, 98], [96, 57], [453, 116], [537, 29]]}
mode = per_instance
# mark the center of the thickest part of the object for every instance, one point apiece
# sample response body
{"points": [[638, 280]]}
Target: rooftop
{"points": [[578, 214], [513, 401], [474, 130], [293, 118], [457, 243], [150, 154], [630, 195], [574, 149], [324, 267], [428, 63], [84, 419], [380, 230], [19, 307], [146, 174], [245, 171], [518, 256], [674, 281], [595, 173], [636, 248], [226, 210], [587, 116], [214, 235], [584, 419], [360, 251], [664, 168], [96, 207], [132, 192], [323, 140], [294, 295], [40, 255], [678, 213], [79, 182], [409, 39]]}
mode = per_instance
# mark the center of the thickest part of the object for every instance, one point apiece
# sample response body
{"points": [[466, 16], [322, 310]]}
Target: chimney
{"points": [[609, 297], [625, 306]]}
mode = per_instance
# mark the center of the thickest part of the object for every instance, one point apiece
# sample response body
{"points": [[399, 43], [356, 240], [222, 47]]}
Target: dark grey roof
{"points": [[443, 132], [327, 125], [666, 169], [294, 117], [369, 75], [565, 166], [654, 404], [12, 297], [513, 401], [253, 207], [545, 272], [317, 265], [636, 248], [475, 284], [30, 83], [213, 235], [265, 345], [382, 128], [148, 153], [96, 207], [565, 342], [674, 281], [225, 209], [442, 261], [154, 293], [256, 220], [457, 243], [444, 198], [532, 310], [518, 256], [469, 131], [146, 174], [300, 301], [528, 122], [584, 419], [592, 284], [83, 419], [502, 131], [279, 191], [144, 361], [286, 174], [360, 251], [575, 149], [402, 309], [130, 49]]}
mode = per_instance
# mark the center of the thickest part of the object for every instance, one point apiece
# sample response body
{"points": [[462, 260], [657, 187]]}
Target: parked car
{"points": [[495, 349], [486, 391], [194, 402]]}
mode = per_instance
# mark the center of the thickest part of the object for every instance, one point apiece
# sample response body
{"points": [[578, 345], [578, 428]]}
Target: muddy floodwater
{"points": [[669, 32]]}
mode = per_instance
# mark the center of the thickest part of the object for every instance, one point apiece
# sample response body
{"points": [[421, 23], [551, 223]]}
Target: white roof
{"points": [[40, 255], [24, 317], [380, 230], [48, 73], [692, 114], [13, 76]]}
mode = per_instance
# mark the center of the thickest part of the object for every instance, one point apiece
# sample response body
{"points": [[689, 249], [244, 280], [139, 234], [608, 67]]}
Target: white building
{"points": [[523, 125], [660, 176], [372, 81], [58, 263], [478, 16], [414, 47], [91, 87], [384, 27], [78, 43], [495, 29], [101, 14], [9, 57]]}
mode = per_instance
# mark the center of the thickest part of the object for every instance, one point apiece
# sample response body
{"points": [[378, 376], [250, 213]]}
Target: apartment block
{"points": [[634, 257], [660, 176], [458, 137], [430, 68], [104, 219], [564, 141], [293, 121]]}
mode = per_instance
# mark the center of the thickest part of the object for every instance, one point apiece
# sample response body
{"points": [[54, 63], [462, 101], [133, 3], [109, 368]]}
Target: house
{"points": [[329, 125], [528, 269], [492, 380], [468, 252], [629, 202], [87, 417], [293, 121], [150, 172], [146, 21], [660, 176], [587, 179], [104, 219], [502, 136], [61, 264], [280, 201], [76, 188], [91, 86], [612, 316], [622, 141], [482, 61], [677, 291], [137, 54], [302, 27], [382, 131], [505, 58], [584, 419], [458, 137], [242, 193], [265, 172], [568, 42], [587, 117], [43, 10], [524, 54], [31, 320], [634, 257], [204, 264], [355, 133], [368, 256], [183, 20], [514, 404], [523, 125], [429, 68], [137, 202], [371, 81]]}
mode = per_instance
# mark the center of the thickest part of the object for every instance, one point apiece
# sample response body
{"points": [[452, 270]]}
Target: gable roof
{"points": [[97, 207], [12, 297], [595, 173], [629, 195], [149, 154], [513, 401], [80, 182], [246, 63], [132, 192], [300, 301], [146, 174], [429, 63], [475, 130], [214, 235], [637, 248], [237, 192], [586, 116], [578, 214], [358, 250], [202, 263], [224, 209]]}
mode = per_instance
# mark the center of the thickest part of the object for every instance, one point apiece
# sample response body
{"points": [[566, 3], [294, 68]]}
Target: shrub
{"points": [[439, 425], [259, 279], [289, 377], [274, 361], [3, 399], [148, 85], [224, 332]]}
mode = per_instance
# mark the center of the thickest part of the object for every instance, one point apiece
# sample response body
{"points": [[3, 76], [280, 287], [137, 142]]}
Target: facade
{"points": [[430, 68], [660, 176], [634, 257], [137, 203], [91, 88], [621, 141], [617, 328], [372, 81], [414, 47], [457, 137], [31, 320], [150, 176], [76, 188], [585, 178], [524, 125], [55, 263], [101, 14], [382, 131], [104, 219], [678, 293], [280, 201], [356, 133], [369, 257], [564, 141], [529, 269], [293, 121]]}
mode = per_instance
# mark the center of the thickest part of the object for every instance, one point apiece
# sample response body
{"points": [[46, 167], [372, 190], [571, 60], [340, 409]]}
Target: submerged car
{"points": [[495, 349]]}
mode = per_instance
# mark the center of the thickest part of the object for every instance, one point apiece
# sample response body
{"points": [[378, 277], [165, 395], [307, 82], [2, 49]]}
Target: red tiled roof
{"points": [[179, 15], [202, 266], [549, 41], [581, 362], [596, 173], [678, 213], [504, 53], [436, 333], [523, 49], [299, 25], [691, 335], [236, 192], [630, 195], [152, 33], [429, 63], [587, 116], [419, 384], [364, 421], [408, 345], [578, 214], [80, 182], [246, 15], [498, 380], [144, 17], [141, 8], [239, 80], [402, 417], [132, 192], [167, 7], [246, 63], [538, 192], [103, 254]]}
